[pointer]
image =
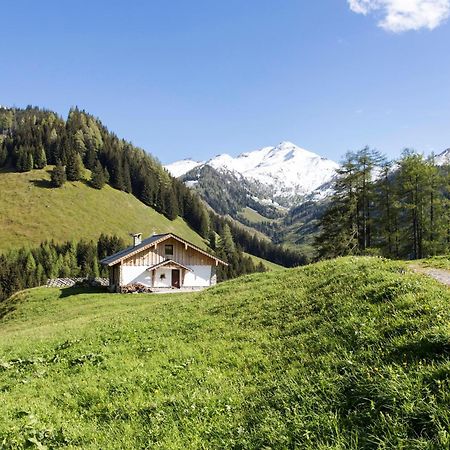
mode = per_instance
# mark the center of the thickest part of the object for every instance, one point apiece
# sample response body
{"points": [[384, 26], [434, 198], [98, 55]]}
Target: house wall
{"points": [[186, 256], [200, 277], [136, 274], [163, 282]]}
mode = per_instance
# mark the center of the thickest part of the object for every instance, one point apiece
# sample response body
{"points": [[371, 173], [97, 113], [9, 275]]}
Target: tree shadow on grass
{"points": [[45, 184], [78, 290]]}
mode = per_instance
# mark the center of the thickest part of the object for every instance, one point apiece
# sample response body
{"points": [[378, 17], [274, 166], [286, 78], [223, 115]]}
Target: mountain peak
{"points": [[443, 158], [286, 169], [179, 168], [286, 144]]}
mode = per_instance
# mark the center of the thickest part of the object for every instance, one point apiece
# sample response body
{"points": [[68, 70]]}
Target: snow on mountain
{"points": [[285, 170], [179, 168], [443, 158]]}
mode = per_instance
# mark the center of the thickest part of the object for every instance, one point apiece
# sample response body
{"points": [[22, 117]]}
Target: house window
{"points": [[168, 250]]}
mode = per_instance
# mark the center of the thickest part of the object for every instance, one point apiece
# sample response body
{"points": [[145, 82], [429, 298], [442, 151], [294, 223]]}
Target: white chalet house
{"points": [[163, 261]]}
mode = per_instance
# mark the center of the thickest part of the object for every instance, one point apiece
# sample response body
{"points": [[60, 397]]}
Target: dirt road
{"points": [[441, 275]]}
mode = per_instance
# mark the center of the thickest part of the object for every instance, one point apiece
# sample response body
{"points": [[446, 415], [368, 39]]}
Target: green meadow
{"points": [[345, 354], [31, 211]]}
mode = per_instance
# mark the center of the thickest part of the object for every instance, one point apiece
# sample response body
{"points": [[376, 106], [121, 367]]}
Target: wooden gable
{"points": [[182, 253]]}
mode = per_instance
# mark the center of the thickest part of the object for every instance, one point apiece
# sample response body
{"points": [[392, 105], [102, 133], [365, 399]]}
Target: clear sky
{"points": [[194, 78]]}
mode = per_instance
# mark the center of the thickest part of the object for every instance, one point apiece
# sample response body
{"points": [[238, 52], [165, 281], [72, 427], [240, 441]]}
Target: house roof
{"points": [[166, 262], [146, 243]]}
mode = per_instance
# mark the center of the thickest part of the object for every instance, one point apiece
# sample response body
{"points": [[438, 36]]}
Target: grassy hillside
{"points": [[352, 353], [31, 211], [253, 216], [437, 262], [269, 265]]}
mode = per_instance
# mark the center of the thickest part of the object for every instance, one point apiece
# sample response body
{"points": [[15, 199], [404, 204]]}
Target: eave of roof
{"points": [[166, 262], [146, 243]]}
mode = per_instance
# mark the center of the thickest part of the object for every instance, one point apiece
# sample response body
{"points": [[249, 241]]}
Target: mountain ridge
{"points": [[285, 172]]}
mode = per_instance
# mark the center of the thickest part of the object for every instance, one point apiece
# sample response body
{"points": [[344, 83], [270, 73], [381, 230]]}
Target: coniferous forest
{"points": [[397, 209], [33, 138]]}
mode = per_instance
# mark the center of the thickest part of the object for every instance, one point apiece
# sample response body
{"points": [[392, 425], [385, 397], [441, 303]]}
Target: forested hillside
{"points": [[399, 209], [31, 138]]}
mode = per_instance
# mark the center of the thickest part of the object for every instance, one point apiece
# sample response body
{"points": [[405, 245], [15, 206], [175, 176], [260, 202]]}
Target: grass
{"points": [[345, 354], [31, 211], [268, 264], [253, 216], [435, 262]]}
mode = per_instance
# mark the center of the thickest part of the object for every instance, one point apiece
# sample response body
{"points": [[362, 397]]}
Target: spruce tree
{"points": [[3, 154], [28, 161], [74, 167], [40, 160], [98, 179], [58, 175]]}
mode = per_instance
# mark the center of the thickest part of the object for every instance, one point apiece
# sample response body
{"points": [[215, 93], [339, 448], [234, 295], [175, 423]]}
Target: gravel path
{"points": [[441, 275]]}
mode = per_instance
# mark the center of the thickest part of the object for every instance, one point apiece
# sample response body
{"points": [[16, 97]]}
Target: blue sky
{"points": [[201, 77]]}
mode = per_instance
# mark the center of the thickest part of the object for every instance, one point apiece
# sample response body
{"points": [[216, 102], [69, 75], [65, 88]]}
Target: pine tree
{"points": [[74, 167], [58, 175], [40, 160], [3, 154], [30, 269], [29, 163], [339, 225], [226, 241], [170, 204], [98, 179]]}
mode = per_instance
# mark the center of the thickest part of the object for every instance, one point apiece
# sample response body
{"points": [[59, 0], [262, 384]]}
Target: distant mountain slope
{"points": [[30, 212], [282, 174], [179, 168], [443, 158], [227, 192]]}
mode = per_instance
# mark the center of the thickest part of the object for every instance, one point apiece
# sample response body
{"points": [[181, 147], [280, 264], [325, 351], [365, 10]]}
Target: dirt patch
{"points": [[441, 275]]}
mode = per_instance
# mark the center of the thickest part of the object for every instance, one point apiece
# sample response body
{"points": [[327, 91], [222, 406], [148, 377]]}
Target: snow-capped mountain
{"points": [[443, 158], [179, 168], [285, 171]]}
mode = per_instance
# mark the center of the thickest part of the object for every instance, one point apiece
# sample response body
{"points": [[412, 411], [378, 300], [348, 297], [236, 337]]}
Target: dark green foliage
{"points": [[6, 120], [26, 268], [259, 247], [74, 166], [40, 158], [108, 245], [238, 263], [58, 175], [98, 176], [403, 212], [87, 259], [3, 154], [24, 159]]}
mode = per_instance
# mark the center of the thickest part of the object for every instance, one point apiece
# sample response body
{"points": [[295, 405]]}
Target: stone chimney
{"points": [[137, 238]]}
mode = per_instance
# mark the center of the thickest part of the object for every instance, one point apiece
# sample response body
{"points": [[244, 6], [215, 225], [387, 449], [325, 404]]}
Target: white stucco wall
{"points": [[199, 277], [163, 282], [136, 274]]}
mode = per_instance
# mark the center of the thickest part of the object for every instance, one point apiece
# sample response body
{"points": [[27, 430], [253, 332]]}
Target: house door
{"points": [[175, 278]]}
